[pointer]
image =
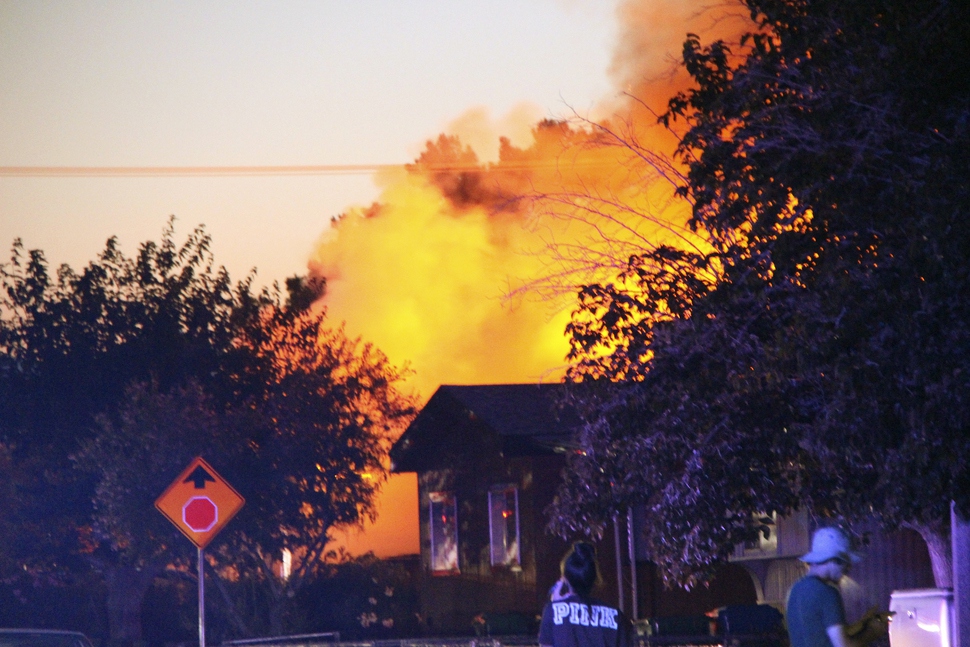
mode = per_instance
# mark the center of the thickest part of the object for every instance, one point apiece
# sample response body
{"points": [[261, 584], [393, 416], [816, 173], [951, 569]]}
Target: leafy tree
{"points": [[70, 344], [133, 366], [825, 364], [316, 449], [133, 456]]}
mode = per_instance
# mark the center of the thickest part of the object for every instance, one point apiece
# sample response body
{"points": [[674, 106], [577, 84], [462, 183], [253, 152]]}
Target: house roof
{"points": [[528, 419]]}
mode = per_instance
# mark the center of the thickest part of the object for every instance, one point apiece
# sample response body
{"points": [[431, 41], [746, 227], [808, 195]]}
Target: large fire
{"points": [[465, 267], [424, 280]]}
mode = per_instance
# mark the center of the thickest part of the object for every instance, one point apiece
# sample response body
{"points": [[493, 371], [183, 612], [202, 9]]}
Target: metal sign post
{"points": [[200, 503], [201, 599]]}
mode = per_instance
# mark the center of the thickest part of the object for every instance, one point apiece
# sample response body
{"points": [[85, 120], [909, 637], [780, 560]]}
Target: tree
{"points": [[133, 366], [133, 456], [826, 365], [72, 342], [307, 454], [316, 456]]}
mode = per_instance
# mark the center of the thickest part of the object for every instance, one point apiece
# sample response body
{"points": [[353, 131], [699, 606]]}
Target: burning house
{"points": [[488, 460]]}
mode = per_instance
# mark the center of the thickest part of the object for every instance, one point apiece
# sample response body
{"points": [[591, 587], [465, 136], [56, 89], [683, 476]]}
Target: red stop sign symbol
{"points": [[200, 514]]}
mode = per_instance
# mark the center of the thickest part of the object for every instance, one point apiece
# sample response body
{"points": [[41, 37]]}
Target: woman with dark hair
{"points": [[574, 619]]}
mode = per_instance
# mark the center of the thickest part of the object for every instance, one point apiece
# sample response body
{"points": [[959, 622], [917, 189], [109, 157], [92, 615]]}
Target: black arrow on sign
{"points": [[199, 476]]}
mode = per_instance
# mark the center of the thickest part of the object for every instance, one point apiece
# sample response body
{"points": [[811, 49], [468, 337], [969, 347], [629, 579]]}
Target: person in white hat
{"points": [[815, 613]]}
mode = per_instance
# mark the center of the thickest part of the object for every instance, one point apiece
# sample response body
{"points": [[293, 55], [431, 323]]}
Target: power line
{"points": [[282, 170], [191, 171]]}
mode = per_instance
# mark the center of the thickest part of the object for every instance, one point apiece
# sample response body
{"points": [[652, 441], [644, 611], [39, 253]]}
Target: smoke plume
{"points": [[465, 267]]}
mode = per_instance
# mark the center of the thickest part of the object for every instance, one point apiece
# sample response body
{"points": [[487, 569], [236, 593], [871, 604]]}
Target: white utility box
{"points": [[923, 618]]}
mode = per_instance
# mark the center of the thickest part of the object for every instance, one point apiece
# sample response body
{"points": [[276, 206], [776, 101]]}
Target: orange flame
{"points": [[443, 271], [439, 272]]}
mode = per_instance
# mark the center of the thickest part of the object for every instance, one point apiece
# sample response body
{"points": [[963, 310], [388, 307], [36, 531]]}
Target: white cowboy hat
{"points": [[829, 543]]}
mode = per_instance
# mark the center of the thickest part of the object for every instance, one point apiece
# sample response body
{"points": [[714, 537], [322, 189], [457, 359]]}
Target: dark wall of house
{"points": [[450, 602], [549, 549]]}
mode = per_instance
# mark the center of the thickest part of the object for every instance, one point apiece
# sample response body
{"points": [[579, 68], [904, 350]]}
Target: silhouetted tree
{"points": [[132, 367], [71, 343], [819, 355], [315, 457]]}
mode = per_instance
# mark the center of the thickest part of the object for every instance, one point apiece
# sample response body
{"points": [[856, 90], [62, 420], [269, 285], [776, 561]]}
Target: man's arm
{"points": [[870, 627]]}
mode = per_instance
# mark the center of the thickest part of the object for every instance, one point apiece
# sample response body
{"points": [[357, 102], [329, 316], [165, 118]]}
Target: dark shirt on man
{"points": [[813, 607]]}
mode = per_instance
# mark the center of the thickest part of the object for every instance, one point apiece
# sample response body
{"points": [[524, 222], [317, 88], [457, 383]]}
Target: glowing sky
{"points": [[201, 83]]}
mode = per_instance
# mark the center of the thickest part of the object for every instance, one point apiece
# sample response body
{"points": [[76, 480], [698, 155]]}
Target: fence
{"points": [[712, 641], [332, 639]]}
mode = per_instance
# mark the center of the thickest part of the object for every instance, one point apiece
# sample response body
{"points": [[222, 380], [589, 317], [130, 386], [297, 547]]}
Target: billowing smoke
{"points": [[427, 272], [465, 266]]}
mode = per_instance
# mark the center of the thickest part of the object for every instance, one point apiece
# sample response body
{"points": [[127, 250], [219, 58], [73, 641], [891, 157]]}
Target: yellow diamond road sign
{"points": [[199, 502]]}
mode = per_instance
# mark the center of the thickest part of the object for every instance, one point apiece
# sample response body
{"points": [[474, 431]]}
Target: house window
{"points": [[444, 533], [503, 526]]}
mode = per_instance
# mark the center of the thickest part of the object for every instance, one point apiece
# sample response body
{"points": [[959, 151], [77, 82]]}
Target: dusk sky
{"points": [[218, 83]]}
